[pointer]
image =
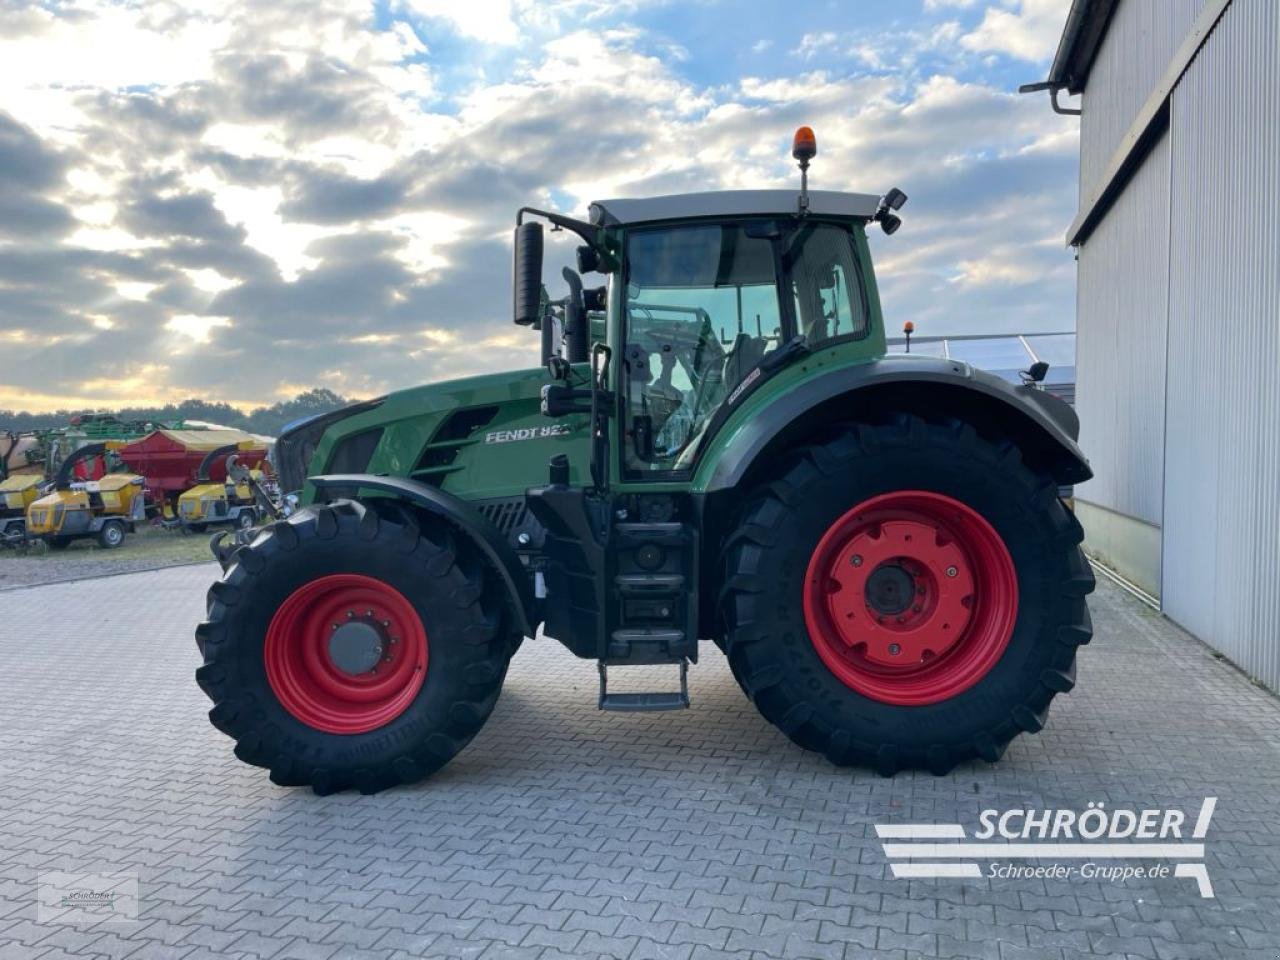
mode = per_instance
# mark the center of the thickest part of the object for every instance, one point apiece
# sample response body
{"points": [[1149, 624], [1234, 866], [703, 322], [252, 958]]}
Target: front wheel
{"points": [[906, 594], [111, 535], [345, 648]]}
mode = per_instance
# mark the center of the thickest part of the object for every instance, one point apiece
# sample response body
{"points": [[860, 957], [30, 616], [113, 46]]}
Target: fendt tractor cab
{"points": [[105, 508], [876, 542], [237, 501], [17, 492]]}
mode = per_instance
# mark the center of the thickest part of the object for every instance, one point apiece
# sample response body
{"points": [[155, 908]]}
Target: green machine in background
{"points": [[715, 447]]}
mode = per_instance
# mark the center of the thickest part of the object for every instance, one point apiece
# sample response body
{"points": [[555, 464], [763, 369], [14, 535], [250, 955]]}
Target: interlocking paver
{"points": [[698, 835]]}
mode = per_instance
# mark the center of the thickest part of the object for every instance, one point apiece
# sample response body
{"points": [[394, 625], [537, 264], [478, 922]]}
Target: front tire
{"points": [[111, 535], [905, 595], [344, 648]]}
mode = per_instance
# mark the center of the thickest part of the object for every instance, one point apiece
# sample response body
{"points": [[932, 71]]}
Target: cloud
{"points": [[1029, 33], [490, 21], [308, 195], [29, 170]]}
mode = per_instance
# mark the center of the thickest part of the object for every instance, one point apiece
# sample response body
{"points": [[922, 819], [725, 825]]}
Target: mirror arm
{"points": [[587, 231]]}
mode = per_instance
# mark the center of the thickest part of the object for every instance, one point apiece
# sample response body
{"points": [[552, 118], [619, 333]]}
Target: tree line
{"points": [[265, 420]]}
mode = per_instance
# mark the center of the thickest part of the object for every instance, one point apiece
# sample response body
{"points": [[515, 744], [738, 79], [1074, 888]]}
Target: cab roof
{"points": [[731, 203]]}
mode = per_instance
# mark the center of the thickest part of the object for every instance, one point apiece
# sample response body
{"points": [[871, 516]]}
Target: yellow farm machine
{"points": [[16, 494], [106, 508], [240, 499]]}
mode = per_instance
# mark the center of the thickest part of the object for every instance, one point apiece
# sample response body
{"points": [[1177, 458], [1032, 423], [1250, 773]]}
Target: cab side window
{"points": [[826, 283], [701, 312]]}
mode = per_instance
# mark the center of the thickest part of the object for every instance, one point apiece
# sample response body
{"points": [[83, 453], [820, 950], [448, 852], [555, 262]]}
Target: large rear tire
{"points": [[905, 595], [344, 648]]}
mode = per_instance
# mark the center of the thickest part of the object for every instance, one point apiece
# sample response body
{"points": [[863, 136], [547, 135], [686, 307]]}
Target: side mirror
{"points": [[526, 281]]}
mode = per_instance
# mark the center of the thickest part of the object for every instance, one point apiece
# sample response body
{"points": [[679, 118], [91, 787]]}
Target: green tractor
{"points": [[716, 446]]}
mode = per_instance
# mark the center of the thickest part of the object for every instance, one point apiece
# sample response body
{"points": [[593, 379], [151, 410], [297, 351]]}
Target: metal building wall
{"points": [[1121, 318], [1141, 39], [1221, 550]]}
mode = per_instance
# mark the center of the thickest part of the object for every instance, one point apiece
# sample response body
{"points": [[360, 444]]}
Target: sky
{"points": [[238, 201]]}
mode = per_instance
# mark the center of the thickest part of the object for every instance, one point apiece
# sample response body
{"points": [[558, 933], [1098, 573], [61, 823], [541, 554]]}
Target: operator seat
{"points": [[744, 356]]}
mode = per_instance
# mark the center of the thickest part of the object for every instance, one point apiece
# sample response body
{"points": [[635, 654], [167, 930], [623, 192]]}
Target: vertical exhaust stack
{"points": [[804, 147]]}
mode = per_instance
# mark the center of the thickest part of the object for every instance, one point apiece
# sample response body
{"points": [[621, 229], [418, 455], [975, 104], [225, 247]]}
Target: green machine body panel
{"points": [[501, 457]]}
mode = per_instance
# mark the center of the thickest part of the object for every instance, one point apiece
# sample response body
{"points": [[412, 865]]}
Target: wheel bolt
{"points": [[335, 626], [894, 649], [856, 560], [952, 571], [386, 623], [350, 614]]}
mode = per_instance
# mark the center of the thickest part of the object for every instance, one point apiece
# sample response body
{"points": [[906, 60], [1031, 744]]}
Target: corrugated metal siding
{"points": [[1121, 317], [1222, 488], [1141, 39]]}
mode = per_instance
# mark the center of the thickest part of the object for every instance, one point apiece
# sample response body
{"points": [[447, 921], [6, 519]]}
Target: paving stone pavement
{"points": [[563, 832]]}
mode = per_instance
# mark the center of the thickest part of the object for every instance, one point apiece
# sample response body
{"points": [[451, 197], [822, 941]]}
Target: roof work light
{"points": [[804, 147]]}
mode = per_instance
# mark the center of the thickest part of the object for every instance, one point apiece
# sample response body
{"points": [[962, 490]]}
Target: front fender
{"points": [[459, 514], [1038, 421]]}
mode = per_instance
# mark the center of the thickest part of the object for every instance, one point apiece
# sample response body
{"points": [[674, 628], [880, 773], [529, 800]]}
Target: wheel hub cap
{"points": [[910, 597], [356, 647], [890, 589]]}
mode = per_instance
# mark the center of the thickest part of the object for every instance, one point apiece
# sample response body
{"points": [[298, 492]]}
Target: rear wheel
{"points": [[111, 535], [348, 649], [932, 596]]}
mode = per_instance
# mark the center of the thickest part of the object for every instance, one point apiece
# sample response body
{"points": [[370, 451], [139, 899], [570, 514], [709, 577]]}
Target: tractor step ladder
{"points": [[645, 702]]}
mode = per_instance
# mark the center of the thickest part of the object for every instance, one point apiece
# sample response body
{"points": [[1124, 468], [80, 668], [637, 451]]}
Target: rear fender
{"points": [[458, 514], [1044, 427]]}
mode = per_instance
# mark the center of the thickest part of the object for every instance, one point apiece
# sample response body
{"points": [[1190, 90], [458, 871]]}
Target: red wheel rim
{"points": [[313, 670], [910, 598]]}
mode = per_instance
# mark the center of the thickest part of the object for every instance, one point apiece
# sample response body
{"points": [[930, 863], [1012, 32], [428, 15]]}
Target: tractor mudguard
{"points": [[1037, 419], [461, 515]]}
